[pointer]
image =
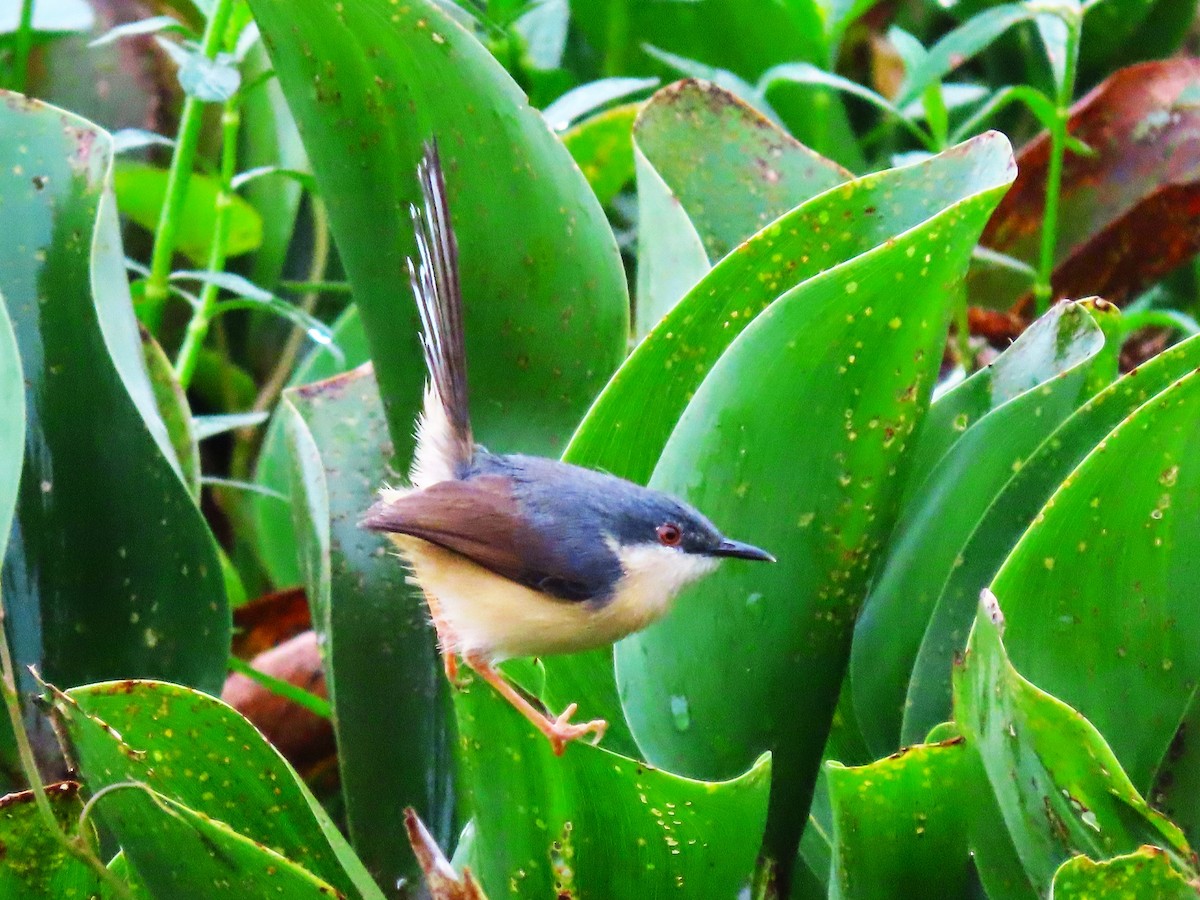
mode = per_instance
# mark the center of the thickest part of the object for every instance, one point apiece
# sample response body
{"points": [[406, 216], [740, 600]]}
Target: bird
{"points": [[518, 555]]}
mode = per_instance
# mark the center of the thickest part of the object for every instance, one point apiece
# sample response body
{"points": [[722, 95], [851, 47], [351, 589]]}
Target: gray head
{"points": [[587, 532]]}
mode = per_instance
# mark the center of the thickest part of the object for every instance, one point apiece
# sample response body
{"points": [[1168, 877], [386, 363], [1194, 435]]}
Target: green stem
{"points": [[12, 700], [23, 44], [197, 330], [187, 141], [616, 38], [318, 706], [1042, 289]]}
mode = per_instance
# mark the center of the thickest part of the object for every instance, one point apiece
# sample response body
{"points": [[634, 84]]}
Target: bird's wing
{"points": [[481, 519]]}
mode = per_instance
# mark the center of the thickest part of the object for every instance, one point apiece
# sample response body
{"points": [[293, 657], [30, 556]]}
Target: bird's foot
{"points": [[562, 731]]}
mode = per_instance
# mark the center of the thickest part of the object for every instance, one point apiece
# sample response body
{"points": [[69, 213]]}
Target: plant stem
{"points": [[1042, 289], [187, 140], [21, 47], [197, 330], [12, 701]]}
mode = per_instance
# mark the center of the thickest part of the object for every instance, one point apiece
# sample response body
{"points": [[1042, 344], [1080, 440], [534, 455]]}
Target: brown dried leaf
{"points": [[304, 738], [269, 620], [1127, 214], [441, 879]]}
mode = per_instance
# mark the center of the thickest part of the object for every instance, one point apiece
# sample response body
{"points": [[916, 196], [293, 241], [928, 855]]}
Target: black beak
{"points": [[741, 551]]}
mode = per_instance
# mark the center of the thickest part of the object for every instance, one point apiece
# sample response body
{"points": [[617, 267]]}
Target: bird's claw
{"points": [[562, 731]]}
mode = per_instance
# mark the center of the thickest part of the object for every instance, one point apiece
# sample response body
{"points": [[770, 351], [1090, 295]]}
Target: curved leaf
{"points": [[1145, 873], [373, 628], [855, 350], [1059, 787], [33, 863], [602, 147], [274, 533], [594, 824], [176, 414], [12, 424], [1014, 508], [732, 170], [546, 306], [1100, 593], [196, 752], [940, 515], [900, 824], [628, 425], [111, 570]]}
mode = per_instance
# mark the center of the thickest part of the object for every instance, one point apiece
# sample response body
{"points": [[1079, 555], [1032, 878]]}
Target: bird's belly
{"points": [[487, 613]]}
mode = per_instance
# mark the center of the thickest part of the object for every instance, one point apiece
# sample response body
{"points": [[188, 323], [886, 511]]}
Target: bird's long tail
{"points": [[445, 446]]}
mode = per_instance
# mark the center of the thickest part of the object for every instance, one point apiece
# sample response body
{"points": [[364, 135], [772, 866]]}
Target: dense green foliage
{"points": [[805, 288]]}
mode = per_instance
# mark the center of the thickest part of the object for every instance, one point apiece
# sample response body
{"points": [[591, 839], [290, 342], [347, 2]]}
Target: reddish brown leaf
{"points": [[304, 738], [269, 620], [1128, 214], [441, 879]]}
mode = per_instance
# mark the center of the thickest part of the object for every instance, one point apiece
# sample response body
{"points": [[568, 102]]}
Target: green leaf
{"points": [[546, 304], [602, 147], [176, 413], [140, 190], [594, 824], [629, 424], [900, 824], [731, 649], [1144, 873], [731, 170], [969, 39], [198, 753], [174, 851], [1060, 789], [111, 570], [12, 424], [1014, 508], [1030, 389], [274, 533], [1101, 589], [587, 98], [33, 863], [373, 627]]}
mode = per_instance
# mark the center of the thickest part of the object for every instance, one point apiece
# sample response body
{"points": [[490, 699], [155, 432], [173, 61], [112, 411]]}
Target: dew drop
{"points": [[680, 714]]}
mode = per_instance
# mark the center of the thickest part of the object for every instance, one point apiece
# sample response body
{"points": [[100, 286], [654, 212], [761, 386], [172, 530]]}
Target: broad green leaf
{"points": [[582, 101], [670, 253], [900, 824], [1144, 873], [594, 824], [629, 424], [1014, 508], [855, 351], [275, 535], [546, 306], [111, 570], [1100, 592], [732, 170], [1031, 389], [33, 863], [196, 752], [176, 413], [1060, 789], [140, 190], [373, 628], [602, 147], [177, 852]]}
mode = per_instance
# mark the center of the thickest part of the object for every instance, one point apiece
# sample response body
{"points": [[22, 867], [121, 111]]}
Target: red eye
{"points": [[669, 535]]}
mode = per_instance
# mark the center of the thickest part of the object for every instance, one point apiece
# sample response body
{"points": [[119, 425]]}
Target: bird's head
{"points": [[664, 544]]}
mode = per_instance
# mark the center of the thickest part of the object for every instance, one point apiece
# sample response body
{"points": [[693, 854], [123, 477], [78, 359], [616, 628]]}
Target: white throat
{"points": [[654, 576]]}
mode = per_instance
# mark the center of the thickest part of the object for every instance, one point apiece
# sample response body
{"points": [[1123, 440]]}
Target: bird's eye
{"points": [[670, 534]]}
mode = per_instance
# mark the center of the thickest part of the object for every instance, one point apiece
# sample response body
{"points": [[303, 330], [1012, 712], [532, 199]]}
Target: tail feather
{"points": [[436, 288]]}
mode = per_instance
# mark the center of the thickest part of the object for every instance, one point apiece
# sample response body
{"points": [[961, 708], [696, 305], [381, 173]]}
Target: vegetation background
{"points": [[775, 256]]}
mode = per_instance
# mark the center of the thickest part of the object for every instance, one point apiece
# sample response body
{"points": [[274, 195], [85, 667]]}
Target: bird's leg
{"points": [[446, 639], [559, 731]]}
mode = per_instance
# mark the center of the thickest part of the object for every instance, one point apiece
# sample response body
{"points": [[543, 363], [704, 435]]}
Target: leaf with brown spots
{"points": [[1129, 213]]}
